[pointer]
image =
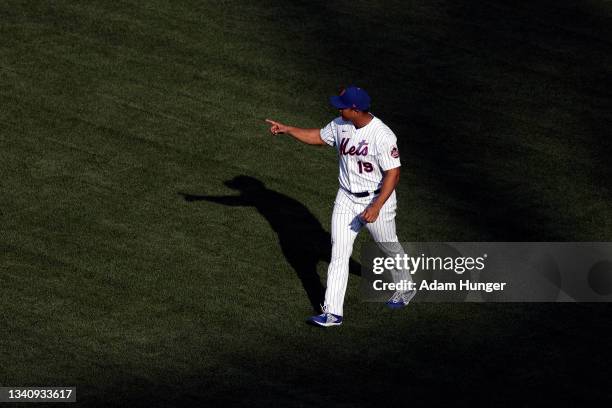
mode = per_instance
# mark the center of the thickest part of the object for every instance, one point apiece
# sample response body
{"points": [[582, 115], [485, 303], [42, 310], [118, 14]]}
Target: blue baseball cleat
{"points": [[400, 299], [325, 320]]}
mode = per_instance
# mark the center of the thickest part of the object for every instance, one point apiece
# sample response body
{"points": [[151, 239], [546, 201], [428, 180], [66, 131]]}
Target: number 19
{"points": [[365, 166]]}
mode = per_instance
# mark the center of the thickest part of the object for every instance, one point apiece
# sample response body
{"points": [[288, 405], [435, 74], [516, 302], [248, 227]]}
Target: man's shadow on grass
{"points": [[303, 240]]}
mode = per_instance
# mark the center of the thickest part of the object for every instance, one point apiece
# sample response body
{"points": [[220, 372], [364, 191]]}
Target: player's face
{"points": [[347, 114], [341, 111]]}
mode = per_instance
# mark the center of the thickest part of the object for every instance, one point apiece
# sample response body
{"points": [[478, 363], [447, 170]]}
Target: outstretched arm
{"points": [[308, 136]]}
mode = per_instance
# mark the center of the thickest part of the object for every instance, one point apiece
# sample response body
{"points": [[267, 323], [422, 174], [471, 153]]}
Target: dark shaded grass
{"points": [[495, 104], [462, 364], [113, 282]]}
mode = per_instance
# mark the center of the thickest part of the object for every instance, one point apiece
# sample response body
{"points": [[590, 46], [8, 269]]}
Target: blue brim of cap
{"points": [[336, 102]]}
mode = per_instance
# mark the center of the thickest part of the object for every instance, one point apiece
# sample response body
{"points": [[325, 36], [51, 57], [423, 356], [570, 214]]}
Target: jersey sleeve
{"points": [[328, 133], [387, 152]]}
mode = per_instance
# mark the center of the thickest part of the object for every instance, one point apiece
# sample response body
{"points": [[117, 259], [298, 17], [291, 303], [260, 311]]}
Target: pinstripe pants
{"points": [[346, 224]]}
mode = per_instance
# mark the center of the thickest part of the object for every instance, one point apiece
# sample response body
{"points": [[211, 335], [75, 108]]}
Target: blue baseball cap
{"points": [[352, 97]]}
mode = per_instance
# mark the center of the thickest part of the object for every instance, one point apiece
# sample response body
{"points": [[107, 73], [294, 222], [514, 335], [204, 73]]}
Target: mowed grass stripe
{"points": [[220, 125]]}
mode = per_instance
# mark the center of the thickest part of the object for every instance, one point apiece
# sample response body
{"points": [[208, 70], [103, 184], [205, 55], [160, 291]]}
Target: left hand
{"points": [[370, 214]]}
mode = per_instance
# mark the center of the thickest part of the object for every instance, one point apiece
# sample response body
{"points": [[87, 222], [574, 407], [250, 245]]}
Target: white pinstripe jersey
{"points": [[363, 154]]}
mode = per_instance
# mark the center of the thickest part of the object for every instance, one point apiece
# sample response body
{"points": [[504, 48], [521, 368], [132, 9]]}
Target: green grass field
{"points": [[111, 112]]}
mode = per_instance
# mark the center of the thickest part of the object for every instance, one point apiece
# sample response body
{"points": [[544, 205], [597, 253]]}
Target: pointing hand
{"points": [[277, 127]]}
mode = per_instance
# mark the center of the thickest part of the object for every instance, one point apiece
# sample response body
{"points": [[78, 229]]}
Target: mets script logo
{"points": [[360, 150], [394, 152]]}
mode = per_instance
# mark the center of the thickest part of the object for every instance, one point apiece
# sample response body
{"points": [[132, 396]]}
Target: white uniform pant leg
{"points": [[384, 233], [344, 229]]}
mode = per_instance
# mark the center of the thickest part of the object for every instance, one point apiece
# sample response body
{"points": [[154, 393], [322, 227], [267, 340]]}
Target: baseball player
{"points": [[369, 172]]}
